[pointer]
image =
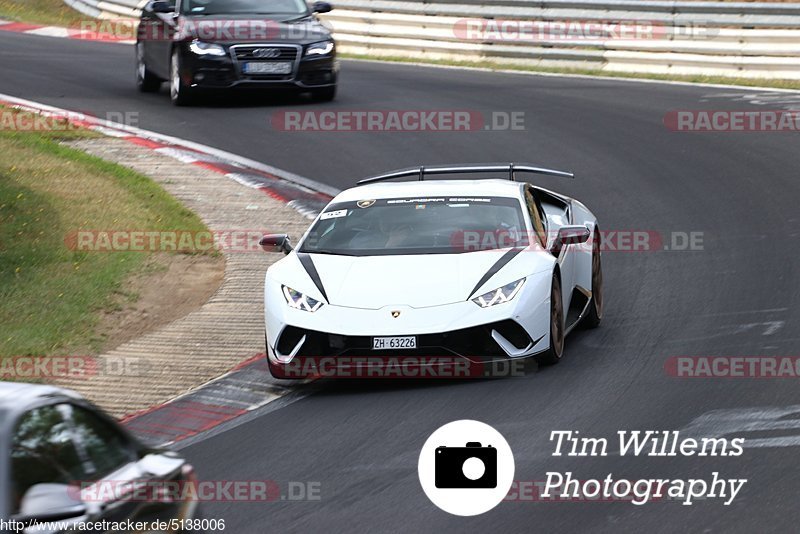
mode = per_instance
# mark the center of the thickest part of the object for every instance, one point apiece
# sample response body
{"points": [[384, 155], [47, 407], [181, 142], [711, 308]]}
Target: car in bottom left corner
{"points": [[64, 462]]}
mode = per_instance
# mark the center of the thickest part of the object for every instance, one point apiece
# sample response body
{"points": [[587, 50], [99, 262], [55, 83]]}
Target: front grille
{"points": [[248, 53], [474, 343]]}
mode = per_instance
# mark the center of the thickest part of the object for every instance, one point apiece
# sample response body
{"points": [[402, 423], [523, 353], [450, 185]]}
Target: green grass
{"points": [[744, 82], [51, 296], [48, 12]]}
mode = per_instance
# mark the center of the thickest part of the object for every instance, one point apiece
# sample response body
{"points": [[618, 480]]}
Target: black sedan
{"points": [[63, 460], [200, 45]]}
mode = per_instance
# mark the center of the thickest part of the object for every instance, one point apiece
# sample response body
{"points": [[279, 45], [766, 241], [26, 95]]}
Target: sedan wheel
{"points": [[179, 92], [145, 80]]}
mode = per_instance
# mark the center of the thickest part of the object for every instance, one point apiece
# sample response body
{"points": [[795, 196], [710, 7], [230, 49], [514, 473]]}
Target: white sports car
{"points": [[482, 268]]}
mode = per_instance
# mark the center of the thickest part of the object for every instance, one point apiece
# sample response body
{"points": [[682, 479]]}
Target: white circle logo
{"points": [[466, 467]]}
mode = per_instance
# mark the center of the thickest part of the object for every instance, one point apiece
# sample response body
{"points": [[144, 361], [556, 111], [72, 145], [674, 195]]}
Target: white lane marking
{"points": [[582, 76], [773, 327], [739, 421], [771, 99], [770, 327], [766, 328], [744, 312]]}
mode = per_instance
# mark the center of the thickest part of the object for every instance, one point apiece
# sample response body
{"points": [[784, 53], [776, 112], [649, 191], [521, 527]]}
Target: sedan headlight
{"points": [[206, 49], [297, 300], [322, 48], [499, 295]]}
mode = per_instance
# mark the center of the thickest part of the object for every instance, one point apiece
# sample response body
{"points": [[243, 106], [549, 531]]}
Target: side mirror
{"points": [[276, 243], [162, 6], [50, 502], [570, 235], [321, 7]]}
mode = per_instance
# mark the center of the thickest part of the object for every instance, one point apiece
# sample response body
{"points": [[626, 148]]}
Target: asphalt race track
{"points": [[737, 296]]}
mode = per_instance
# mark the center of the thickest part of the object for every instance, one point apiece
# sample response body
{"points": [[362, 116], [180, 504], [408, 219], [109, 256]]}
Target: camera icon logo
{"points": [[466, 467], [472, 466]]}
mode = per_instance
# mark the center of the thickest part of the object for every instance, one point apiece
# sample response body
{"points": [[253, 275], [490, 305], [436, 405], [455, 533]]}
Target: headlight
{"points": [[499, 295], [295, 299], [206, 49], [320, 49]]}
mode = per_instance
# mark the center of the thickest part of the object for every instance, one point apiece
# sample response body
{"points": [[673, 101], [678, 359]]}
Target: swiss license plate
{"points": [[264, 67], [397, 342]]}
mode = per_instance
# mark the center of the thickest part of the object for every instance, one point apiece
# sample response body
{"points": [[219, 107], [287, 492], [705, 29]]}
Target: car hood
{"points": [[243, 29], [418, 281]]}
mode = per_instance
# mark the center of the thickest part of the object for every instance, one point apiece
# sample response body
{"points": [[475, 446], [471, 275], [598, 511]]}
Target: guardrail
{"points": [[730, 39]]}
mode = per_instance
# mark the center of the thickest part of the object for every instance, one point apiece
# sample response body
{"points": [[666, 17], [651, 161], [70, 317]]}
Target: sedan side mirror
{"points": [[162, 6], [321, 7], [570, 235], [276, 243]]}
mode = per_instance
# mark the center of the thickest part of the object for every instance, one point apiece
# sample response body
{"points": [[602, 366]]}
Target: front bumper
{"points": [[342, 337], [226, 72]]}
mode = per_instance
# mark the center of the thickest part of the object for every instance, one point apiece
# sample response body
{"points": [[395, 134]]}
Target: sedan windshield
{"points": [[438, 225], [251, 7]]}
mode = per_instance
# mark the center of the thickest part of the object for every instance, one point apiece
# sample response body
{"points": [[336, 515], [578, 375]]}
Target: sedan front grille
{"points": [[265, 53]]}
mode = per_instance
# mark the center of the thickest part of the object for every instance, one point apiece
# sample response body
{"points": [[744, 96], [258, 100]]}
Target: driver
{"points": [[398, 233]]}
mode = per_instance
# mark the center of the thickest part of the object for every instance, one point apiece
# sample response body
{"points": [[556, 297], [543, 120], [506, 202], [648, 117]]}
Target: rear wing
{"points": [[510, 169]]}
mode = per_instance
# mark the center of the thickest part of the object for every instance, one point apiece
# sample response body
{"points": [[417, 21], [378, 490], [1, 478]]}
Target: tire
{"points": [[595, 312], [556, 350], [326, 94], [180, 93], [146, 81]]}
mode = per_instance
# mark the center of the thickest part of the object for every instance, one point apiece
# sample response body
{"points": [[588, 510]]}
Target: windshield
{"points": [[437, 225], [252, 7]]}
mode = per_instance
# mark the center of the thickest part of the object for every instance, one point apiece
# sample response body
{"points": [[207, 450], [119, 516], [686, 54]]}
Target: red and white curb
{"points": [[245, 392], [64, 33], [306, 196]]}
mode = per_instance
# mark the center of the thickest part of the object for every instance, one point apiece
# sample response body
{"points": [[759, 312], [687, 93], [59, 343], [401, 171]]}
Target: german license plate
{"points": [[397, 342], [262, 67]]}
